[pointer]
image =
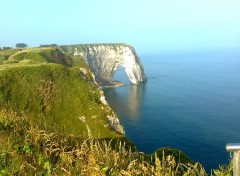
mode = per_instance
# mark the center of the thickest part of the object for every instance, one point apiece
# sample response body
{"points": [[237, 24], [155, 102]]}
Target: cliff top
{"points": [[82, 47]]}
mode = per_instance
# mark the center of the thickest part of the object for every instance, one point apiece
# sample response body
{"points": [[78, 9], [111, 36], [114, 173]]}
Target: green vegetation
{"points": [[21, 45], [177, 154], [27, 149], [47, 45], [52, 122], [5, 48], [54, 94], [49, 55], [5, 54]]}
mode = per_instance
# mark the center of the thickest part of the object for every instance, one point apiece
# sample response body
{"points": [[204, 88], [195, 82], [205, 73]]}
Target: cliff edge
{"points": [[104, 60], [56, 90]]}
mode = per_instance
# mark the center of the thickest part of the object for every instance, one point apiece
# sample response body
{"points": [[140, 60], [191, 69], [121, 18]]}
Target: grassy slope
{"points": [[54, 96], [5, 54], [50, 55], [26, 149], [53, 93]]}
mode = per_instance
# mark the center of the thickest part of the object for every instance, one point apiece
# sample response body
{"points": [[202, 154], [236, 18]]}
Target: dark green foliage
{"points": [[47, 45], [179, 156], [5, 48], [21, 45]]}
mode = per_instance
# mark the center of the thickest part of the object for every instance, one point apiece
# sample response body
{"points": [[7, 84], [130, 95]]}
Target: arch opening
{"points": [[121, 76]]}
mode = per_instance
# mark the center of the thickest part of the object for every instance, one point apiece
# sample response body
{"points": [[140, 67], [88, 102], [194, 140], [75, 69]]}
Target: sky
{"points": [[149, 25]]}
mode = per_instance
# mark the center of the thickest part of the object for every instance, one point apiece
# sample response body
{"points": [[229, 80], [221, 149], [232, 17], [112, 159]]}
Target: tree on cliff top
{"points": [[21, 45]]}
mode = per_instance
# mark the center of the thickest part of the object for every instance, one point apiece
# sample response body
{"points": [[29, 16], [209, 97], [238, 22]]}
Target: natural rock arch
{"points": [[104, 60]]}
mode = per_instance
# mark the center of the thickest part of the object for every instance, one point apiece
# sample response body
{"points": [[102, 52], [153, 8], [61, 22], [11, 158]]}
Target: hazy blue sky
{"points": [[149, 25]]}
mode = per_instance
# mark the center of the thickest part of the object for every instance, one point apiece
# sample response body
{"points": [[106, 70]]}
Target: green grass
{"points": [[5, 54], [27, 149], [55, 94], [49, 107], [38, 55], [54, 89], [179, 156]]}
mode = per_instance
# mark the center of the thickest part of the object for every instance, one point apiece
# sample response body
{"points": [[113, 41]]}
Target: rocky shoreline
{"points": [[113, 84]]}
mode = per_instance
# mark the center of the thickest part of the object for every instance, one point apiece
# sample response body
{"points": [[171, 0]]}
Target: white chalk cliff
{"points": [[104, 60]]}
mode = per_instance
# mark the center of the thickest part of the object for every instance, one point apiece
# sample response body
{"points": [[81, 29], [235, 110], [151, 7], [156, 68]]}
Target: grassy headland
{"points": [[51, 88], [27, 149], [52, 122]]}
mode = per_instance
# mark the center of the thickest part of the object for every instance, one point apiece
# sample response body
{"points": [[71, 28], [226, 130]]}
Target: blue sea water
{"points": [[191, 101]]}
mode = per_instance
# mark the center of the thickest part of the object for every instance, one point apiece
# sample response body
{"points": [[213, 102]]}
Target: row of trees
{"points": [[18, 45], [51, 45], [23, 45], [5, 48]]}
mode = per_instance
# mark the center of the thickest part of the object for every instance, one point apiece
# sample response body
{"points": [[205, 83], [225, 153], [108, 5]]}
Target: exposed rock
{"points": [[94, 79], [83, 70], [114, 123], [104, 59], [112, 119], [102, 98]]}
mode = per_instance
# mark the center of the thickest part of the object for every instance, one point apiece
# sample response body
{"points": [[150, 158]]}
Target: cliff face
{"points": [[104, 59]]}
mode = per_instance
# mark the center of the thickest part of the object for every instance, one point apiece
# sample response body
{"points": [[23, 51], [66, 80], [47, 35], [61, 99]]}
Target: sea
{"points": [[191, 101]]}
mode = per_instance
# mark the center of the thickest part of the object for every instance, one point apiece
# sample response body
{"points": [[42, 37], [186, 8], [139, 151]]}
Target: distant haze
{"points": [[149, 25]]}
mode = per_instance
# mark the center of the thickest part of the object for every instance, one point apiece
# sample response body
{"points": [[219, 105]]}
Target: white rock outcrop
{"points": [[115, 124], [104, 59], [102, 98]]}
